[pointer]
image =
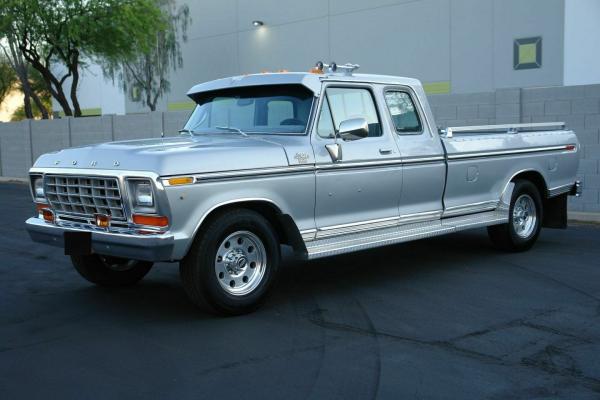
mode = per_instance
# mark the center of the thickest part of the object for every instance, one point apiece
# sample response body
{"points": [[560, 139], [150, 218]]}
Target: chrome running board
{"points": [[347, 243]]}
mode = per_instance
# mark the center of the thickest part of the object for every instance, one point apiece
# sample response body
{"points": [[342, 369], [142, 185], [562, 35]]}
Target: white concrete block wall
{"points": [[90, 130], [578, 106], [49, 135], [15, 149], [174, 121], [137, 126]]}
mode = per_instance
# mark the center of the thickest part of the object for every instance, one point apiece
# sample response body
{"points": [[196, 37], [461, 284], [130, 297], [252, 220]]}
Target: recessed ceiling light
{"points": [[257, 23]]}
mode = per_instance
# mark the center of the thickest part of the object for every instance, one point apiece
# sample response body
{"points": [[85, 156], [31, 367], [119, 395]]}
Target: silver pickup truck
{"points": [[327, 162]]}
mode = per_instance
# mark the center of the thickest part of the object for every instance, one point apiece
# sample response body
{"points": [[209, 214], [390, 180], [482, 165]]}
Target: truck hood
{"points": [[172, 156]]}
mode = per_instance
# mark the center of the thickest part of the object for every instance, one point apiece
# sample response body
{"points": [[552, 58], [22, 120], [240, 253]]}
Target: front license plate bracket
{"points": [[78, 243]]}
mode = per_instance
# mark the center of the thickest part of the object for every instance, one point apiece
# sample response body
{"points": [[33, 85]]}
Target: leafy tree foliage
{"points": [[145, 76], [71, 31], [30, 81], [7, 78]]}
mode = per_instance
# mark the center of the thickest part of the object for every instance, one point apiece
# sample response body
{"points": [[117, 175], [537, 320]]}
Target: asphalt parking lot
{"points": [[441, 318]]}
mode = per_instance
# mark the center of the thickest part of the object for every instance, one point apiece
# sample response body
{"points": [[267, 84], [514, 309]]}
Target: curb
{"points": [[578, 216]]}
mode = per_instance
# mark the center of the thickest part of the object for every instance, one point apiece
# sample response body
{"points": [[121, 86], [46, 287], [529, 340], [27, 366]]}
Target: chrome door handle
{"points": [[385, 151]]}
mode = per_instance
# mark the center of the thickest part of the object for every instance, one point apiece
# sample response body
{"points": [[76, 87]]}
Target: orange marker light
{"points": [[570, 147], [40, 206], [150, 220], [103, 221], [183, 180], [48, 215]]}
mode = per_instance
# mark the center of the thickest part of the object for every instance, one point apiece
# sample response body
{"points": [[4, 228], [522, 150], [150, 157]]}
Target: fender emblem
{"points": [[302, 158]]}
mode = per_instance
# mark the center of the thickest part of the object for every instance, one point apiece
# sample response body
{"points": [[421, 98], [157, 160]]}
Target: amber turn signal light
{"points": [[183, 180], [48, 215], [103, 221], [150, 220]]}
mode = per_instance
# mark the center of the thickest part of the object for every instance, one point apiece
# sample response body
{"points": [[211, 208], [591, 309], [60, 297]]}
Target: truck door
{"points": [[424, 167], [360, 189]]}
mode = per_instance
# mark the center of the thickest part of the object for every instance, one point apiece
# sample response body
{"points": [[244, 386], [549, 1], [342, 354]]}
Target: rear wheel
{"points": [[232, 264], [110, 271], [525, 216]]}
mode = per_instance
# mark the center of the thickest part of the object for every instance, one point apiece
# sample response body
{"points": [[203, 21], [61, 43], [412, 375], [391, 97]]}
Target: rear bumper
{"points": [[576, 189], [137, 247]]}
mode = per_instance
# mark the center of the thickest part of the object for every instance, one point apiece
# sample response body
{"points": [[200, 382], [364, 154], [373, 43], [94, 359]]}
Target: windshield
{"points": [[273, 109]]}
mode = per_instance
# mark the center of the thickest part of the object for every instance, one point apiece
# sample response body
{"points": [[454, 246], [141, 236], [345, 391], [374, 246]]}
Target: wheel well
{"points": [[537, 179], [284, 225], [554, 209]]}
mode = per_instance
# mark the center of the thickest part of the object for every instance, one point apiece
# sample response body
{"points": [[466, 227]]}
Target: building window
{"points": [[527, 53]]}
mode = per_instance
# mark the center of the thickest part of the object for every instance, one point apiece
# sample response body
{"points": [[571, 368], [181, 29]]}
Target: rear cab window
{"points": [[403, 112]]}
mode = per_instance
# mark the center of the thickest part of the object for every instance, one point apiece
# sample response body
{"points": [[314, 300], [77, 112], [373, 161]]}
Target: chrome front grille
{"points": [[84, 196]]}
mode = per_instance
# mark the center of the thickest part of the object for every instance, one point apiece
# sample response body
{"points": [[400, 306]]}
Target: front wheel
{"points": [[110, 271], [525, 216], [232, 263]]}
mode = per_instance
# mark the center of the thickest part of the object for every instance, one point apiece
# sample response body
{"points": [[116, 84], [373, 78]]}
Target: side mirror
{"points": [[354, 129]]}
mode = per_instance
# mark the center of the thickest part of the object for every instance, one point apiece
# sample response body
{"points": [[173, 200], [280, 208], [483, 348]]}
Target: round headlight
{"points": [[143, 194]]}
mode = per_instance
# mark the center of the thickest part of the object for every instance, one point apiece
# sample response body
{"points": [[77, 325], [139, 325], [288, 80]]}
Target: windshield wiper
{"points": [[184, 130], [232, 129]]}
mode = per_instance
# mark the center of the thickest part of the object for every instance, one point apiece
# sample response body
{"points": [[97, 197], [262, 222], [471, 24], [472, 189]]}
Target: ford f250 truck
{"points": [[328, 162]]}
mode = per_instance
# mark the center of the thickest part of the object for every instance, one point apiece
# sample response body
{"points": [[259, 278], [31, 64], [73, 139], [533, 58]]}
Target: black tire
{"points": [[505, 236], [110, 271], [198, 270]]}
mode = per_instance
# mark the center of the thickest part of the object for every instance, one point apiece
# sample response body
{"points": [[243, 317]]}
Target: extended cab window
{"points": [[252, 109], [402, 110], [347, 103]]}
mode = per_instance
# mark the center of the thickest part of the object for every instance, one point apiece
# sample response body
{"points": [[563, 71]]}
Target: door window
{"points": [[347, 103], [403, 112]]}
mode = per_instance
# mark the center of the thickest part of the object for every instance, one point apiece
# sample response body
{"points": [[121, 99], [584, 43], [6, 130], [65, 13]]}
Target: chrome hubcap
{"points": [[524, 216], [240, 263]]}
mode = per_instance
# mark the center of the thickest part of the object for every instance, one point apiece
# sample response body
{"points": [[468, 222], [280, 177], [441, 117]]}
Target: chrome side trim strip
{"points": [[295, 169], [420, 217], [361, 226], [422, 160], [509, 128], [359, 164], [470, 208], [308, 234], [373, 221], [336, 230], [403, 233], [507, 152], [251, 173]]}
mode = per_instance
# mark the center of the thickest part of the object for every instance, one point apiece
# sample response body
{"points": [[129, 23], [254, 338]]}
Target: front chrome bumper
{"points": [[137, 247]]}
